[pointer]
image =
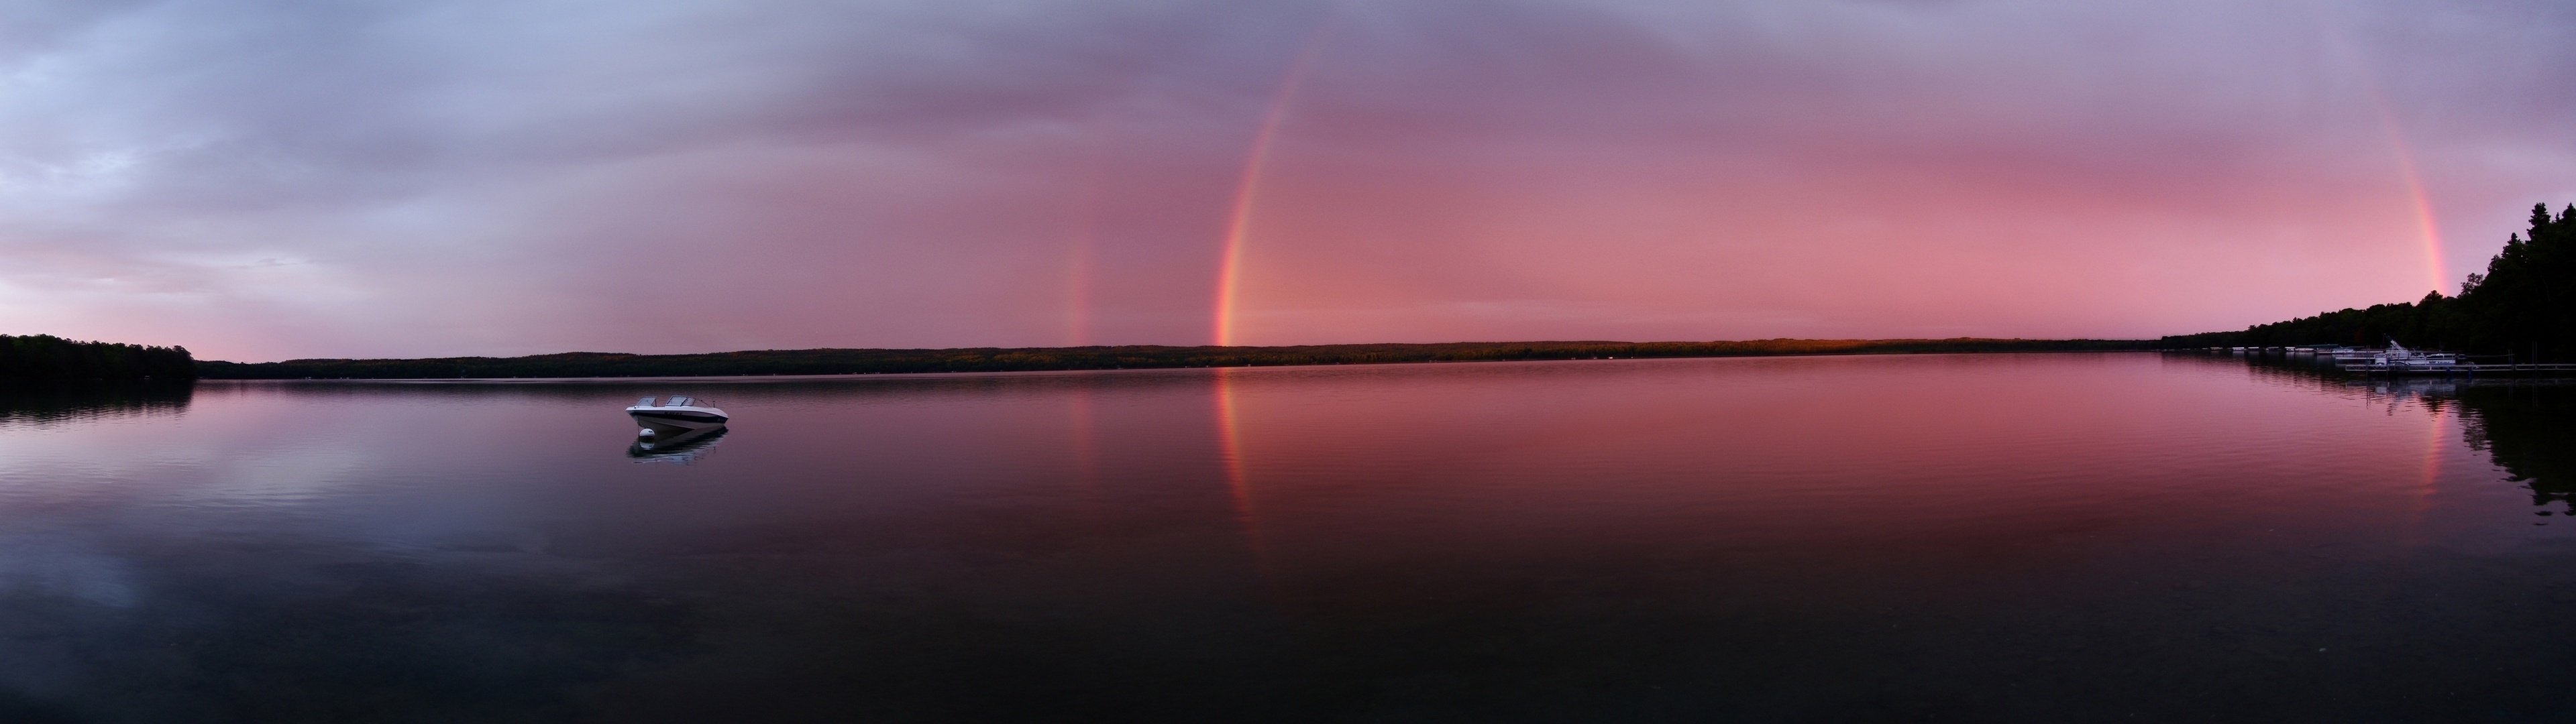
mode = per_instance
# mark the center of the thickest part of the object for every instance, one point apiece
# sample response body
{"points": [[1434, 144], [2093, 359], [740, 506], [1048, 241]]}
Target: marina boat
{"points": [[678, 415], [2397, 358]]}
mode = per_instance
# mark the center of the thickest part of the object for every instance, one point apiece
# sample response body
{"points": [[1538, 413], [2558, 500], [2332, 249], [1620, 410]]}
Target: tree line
{"points": [[47, 357], [998, 359], [2523, 305]]}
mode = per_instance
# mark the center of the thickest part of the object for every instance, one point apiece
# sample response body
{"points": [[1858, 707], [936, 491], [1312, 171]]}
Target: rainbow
{"points": [[1077, 283], [2425, 225], [1086, 240], [1238, 225]]}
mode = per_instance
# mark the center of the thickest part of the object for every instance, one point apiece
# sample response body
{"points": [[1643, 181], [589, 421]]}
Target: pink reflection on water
{"points": [[1231, 455], [1909, 524], [2434, 435], [1901, 465]]}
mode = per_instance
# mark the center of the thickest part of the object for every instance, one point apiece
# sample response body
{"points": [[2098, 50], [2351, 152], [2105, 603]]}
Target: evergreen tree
{"points": [[2524, 303], [47, 357]]}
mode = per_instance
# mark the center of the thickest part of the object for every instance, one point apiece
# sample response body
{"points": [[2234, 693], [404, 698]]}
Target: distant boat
{"points": [[680, 414]]}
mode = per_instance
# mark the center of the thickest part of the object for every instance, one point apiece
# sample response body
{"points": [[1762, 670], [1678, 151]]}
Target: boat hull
{"points": [[676, 421]]}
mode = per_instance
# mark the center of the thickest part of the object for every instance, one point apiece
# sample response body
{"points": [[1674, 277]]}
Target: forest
{"points": [[992, 359], [2523, 306], [47, 357]]}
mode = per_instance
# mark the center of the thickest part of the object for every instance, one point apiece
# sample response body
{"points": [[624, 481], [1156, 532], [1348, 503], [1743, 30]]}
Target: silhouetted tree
{"points": [[2523, 303], [47, 357]]}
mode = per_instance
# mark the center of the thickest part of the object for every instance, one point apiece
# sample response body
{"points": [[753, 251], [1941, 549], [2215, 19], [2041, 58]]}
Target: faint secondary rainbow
{"points": [[1238, 225], [1077, 283], [1086, 239]]}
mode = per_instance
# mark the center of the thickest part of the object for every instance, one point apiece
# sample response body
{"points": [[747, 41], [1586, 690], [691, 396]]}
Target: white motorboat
{"points": [[679, 414], [2397, 358]]}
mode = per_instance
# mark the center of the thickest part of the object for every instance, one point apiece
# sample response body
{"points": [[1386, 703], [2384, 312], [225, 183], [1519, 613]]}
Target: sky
{"points": [[273, 180]]}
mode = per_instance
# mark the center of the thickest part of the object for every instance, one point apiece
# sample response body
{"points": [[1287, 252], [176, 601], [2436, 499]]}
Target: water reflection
{"points": [[2529, 430], [2002, 537], [2526, 427], [684, 448], [52, 403]]}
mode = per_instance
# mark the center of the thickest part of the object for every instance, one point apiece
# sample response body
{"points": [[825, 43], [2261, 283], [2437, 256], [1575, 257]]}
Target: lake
{"points": [[2034, 537]]}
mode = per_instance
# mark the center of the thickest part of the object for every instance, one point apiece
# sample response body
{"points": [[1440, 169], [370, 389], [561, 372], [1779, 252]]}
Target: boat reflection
{"points": [[681, 449]]}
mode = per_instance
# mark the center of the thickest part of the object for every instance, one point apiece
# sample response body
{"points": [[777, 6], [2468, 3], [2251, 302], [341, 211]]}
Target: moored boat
{"points": [[678, 414], [2398, 359]]}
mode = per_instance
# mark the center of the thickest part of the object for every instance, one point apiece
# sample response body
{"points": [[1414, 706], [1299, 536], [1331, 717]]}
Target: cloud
{"points": [[484, 177]]}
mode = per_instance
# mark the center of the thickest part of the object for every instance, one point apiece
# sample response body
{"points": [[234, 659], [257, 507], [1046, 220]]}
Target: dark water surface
{"points": [[1986, 537]]}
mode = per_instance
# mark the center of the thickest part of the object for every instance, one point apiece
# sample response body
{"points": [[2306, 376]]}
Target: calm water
{"points": [[2021, 537]]}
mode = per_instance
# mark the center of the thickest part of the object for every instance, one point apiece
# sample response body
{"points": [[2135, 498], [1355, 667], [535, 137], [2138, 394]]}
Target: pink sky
{"points": [[264, 181]]}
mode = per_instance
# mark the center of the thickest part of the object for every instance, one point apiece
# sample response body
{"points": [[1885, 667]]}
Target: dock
{"points": [[2366, 362]]}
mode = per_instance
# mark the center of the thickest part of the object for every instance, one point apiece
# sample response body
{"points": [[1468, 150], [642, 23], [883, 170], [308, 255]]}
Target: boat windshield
{"points": [[678, 402], [646, 402]]}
